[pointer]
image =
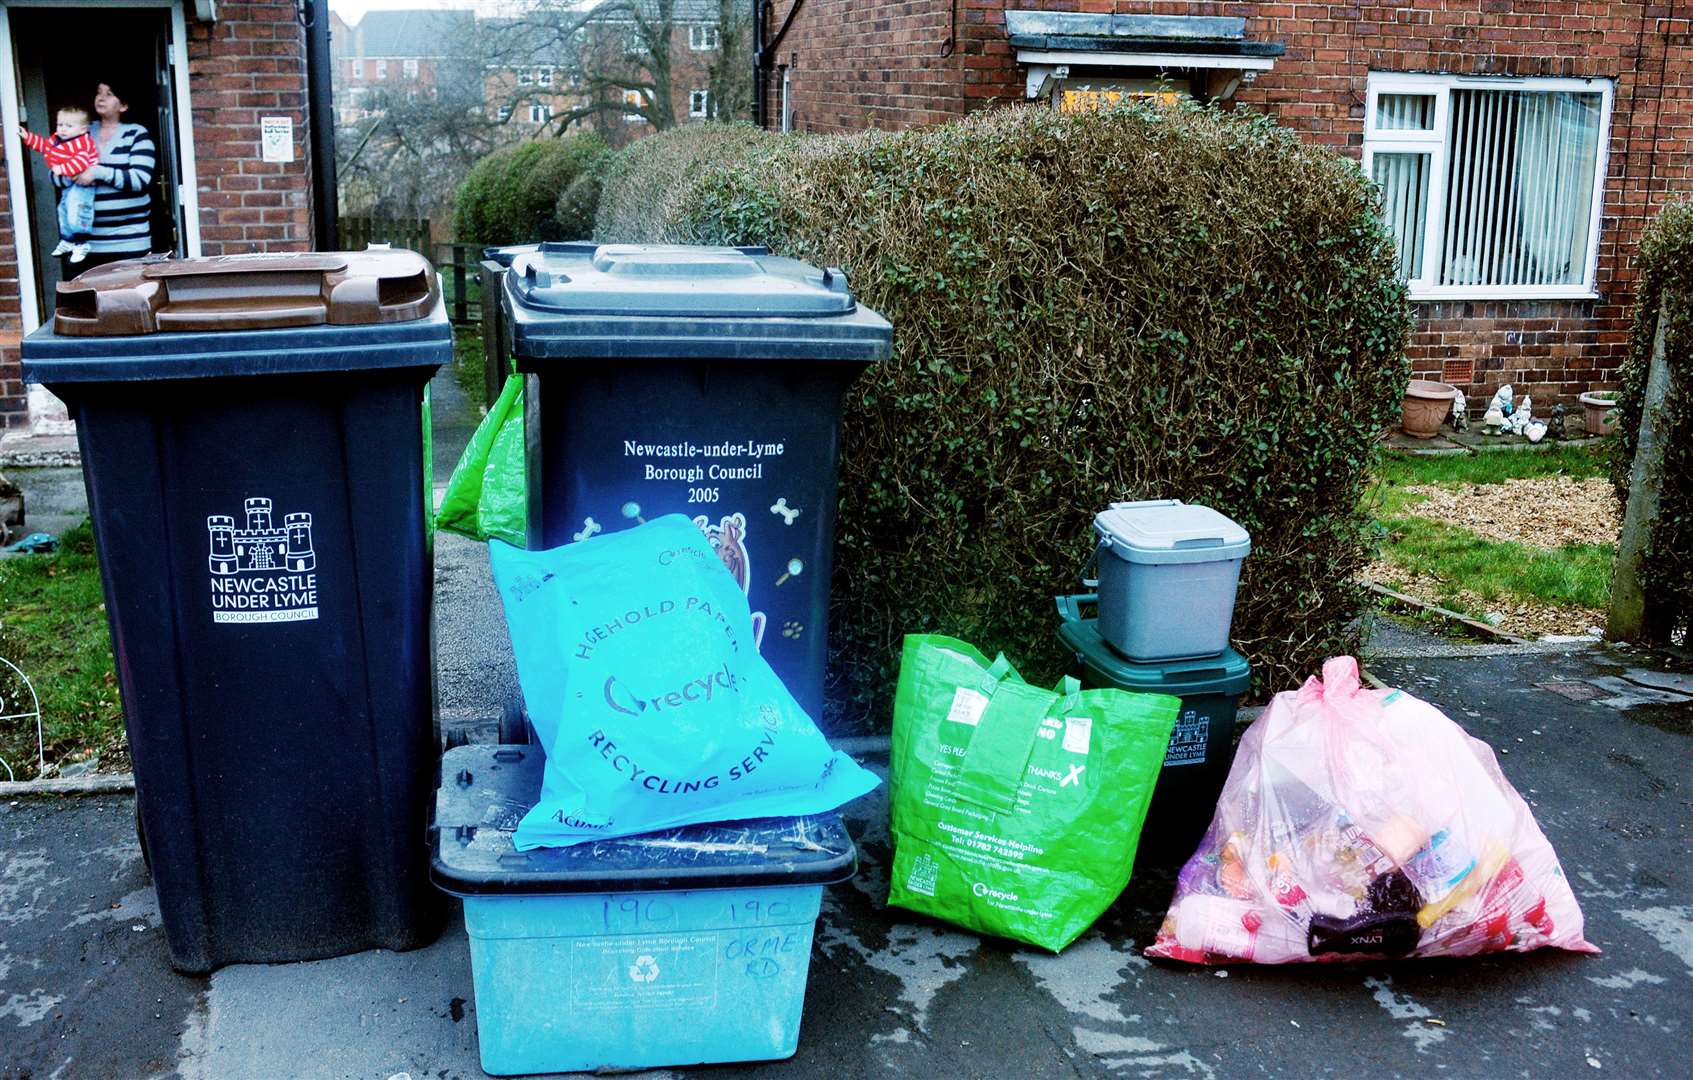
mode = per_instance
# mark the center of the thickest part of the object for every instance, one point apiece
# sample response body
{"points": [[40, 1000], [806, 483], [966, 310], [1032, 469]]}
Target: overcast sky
{"points": [[353, 10]]}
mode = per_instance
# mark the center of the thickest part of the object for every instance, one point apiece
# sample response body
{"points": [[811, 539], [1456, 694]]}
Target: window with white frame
{"points": [[703, 38], [544, 76], [539, 113], [503, 113], [410, 68], [699, 102], [1491, 187], [382, 69], [525, 76]]}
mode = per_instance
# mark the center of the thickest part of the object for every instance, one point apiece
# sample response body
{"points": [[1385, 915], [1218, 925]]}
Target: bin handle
{"points": [[1070, 607], [1090, 570]]}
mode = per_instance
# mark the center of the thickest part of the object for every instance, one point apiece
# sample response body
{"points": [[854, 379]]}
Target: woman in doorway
{"points": [[122, 182]]}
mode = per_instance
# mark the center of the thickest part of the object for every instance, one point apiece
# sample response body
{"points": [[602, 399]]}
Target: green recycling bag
{"points": [[1016, 810], [488, 495]]}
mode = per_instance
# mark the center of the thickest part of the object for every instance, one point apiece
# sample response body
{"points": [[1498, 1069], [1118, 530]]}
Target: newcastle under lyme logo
{"points": [[262, 547]]}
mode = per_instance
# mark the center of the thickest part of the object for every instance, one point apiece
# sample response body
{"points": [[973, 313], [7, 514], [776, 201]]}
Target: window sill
{"points": [[1452, 293]]}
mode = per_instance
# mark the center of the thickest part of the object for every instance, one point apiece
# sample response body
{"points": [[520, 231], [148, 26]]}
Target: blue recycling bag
{"points": [[645, 687]]}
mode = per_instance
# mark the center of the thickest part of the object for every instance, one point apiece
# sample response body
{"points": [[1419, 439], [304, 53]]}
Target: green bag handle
{"points": [[999, 750]]}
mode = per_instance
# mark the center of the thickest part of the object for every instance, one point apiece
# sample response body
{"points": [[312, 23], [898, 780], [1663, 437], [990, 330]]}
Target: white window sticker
{"points": [[968, 706], [1077, 731]]}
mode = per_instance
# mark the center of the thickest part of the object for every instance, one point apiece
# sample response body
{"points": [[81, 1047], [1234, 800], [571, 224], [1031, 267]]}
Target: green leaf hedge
{"points": [[1146, 302], [1665, 291], [511, 196]]}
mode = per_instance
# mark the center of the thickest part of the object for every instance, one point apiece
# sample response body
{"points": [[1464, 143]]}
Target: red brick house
{"points": [[1521, 146], [203, 76], [399, 53]]}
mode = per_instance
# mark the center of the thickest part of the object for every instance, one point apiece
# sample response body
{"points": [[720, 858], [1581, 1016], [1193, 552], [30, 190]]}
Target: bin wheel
{"points": [[514, 725]]}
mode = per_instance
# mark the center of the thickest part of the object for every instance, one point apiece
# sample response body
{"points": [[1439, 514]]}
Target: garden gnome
{"points": [[1460, 412], [1523, 416], [1555, 426], [1498, 409]]}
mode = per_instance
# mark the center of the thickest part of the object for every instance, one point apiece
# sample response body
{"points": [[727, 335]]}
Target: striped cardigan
{"points": [[123, 213]]}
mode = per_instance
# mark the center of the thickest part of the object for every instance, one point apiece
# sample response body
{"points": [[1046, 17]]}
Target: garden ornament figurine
{"points": [[1555, 426], [1499, 410], [1522, 416], [1460, 412]]}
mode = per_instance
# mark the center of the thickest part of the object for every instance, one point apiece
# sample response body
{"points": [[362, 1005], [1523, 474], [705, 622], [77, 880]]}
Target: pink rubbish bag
{"points": [[1364, 824]]}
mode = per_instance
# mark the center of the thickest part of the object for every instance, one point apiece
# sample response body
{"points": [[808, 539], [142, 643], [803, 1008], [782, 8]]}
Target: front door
{"points": [[62, 54]]}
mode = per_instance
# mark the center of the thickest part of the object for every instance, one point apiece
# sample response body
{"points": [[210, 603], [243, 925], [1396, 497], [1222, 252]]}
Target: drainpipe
{"points": [[320, 113], [758, 84]]}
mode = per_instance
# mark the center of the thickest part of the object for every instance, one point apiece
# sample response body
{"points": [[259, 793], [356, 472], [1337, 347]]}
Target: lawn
{"points": [[1474, 574], [469, 365], [53, 627]]}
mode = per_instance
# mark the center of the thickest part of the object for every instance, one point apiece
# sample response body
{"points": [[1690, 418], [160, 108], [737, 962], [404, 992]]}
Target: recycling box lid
{"points": [[1170, 531], [582, 299], [486, 790], [260, 314], [1228, 673]]}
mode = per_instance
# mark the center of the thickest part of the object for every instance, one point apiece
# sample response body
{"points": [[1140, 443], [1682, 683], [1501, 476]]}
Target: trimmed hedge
{"points": [[509, 197], [1665, 286], [1146, 302], [579, 202], [646, 186]]}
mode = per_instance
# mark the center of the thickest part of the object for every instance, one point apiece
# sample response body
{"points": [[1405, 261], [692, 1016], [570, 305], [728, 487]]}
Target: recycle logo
{"points": [[644, 969]]}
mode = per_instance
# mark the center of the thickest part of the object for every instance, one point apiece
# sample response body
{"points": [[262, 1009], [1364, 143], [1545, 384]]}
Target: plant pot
{"points": [[1427, 404], [1596, 412]]}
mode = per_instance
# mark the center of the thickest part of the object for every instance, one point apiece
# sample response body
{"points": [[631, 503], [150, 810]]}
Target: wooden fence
{"points": [[354, 233], [458, 263]]}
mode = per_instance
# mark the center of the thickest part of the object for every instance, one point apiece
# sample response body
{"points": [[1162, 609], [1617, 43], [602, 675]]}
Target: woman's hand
{"points": [[86, 177]]}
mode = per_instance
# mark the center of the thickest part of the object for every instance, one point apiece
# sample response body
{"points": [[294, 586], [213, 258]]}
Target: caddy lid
{"points": [[1170, 531]]}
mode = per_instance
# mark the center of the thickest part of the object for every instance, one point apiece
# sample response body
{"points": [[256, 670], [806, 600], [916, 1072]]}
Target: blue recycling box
{"points": [[684, 947], [699, 381], [253, 443]]}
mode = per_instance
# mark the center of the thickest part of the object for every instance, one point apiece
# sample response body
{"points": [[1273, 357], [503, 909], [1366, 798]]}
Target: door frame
{"points": [[188, 181]]}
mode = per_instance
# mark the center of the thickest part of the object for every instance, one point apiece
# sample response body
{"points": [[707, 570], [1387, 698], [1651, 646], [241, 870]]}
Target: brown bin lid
{"points": [[247, 292]]}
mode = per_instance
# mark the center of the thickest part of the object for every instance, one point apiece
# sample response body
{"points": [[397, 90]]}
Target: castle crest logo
{"points": [[263, 571]]}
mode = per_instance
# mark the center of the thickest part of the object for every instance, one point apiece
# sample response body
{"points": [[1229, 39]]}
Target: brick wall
{"points": [[250, 63], [872, 63]]}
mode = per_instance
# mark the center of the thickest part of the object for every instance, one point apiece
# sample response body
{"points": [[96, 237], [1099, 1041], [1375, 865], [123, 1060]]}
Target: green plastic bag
{"points": [[488, 494], [1016, 810]]}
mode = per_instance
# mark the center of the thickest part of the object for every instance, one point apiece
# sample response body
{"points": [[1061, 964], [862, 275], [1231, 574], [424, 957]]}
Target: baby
{"points": [[70, 153]]}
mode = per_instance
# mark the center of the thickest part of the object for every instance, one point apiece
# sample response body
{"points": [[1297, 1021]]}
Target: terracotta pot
{"points": [[1427, 404], [1596, 411]]}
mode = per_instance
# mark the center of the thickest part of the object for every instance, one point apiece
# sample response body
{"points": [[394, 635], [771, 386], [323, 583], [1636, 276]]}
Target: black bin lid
{"points": [[680, 301], [486, 790], [262, 314]]}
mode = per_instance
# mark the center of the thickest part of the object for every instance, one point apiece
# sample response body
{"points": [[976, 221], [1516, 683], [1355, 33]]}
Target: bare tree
{"points": [[731, 71], [551, 66], [628, 58]]}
